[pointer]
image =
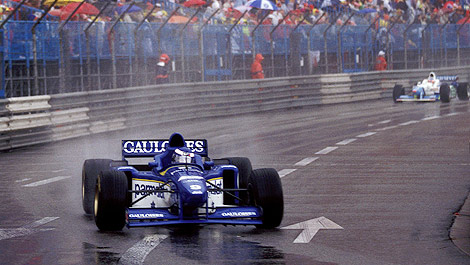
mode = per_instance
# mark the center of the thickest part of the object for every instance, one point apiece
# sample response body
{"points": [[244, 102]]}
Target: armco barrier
{"points": [[72, 115]]}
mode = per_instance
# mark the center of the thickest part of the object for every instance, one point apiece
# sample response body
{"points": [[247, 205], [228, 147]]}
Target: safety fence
{"points": [[32, 120], [53, 57]]}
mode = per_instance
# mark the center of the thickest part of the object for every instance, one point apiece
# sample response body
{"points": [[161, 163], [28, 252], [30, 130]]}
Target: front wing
{"points": [[404, 98], [242, 215]]}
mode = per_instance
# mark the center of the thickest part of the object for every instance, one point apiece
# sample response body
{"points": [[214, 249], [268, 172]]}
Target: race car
{"points": [[434, 88], [179, 185]]}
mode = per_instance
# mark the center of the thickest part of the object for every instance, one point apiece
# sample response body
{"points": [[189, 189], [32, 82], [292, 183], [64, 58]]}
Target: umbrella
{"points": [[262, 4], [121, 9], [85, 8], [193, 3], [180, 19], [61, 2]]}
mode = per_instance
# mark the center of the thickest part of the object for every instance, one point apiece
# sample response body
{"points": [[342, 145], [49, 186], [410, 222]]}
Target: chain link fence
{"points": [[60, 57]]}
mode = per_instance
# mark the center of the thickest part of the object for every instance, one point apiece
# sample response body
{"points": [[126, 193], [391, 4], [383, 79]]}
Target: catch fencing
{"points": [[32, 120], [53, 57]]}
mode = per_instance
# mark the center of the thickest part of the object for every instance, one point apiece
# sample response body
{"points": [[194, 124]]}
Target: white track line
{"points": [[137, 253], [306, 161], [347, 141], [286, 172], [430, 118], [408, 123], [366, 134], [326, 150], [26, 229], [46, 181]]}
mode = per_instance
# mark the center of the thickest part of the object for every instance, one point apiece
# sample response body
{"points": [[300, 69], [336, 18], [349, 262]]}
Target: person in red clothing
{"points": [[162, 69], [257, 68], [380, 62]]}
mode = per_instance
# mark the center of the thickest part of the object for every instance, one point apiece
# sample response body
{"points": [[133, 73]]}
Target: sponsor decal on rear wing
{"points": [[447, 77], [150, 148]]}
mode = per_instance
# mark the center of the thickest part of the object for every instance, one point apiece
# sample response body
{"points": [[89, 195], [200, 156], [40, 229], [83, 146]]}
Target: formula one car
{"points": [[180, 185], [434, 88]]}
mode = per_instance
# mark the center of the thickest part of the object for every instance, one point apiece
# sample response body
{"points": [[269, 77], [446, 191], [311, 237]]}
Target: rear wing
{"points": [[447, 77], [151, 148]]}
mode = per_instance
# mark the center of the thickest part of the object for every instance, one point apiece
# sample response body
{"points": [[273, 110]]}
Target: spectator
{"points": [[380, 62], [256, 68], [162, 69]]}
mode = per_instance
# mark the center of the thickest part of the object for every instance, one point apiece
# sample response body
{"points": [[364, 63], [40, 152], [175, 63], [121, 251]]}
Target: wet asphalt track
{"points": [[390, 175]]}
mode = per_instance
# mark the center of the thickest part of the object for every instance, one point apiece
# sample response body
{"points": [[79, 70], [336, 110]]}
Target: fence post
{"points": [[339, 58], [183, 68], [405, 37], [230, 42], [309, 33], [137, 46], [423, 43], [325, 40], [389, 52], [458, 39], [442, 43], [113, 52], [253, 53], [365, 41], [35, 52], [201, 44], [88, 51], [272, 41]]}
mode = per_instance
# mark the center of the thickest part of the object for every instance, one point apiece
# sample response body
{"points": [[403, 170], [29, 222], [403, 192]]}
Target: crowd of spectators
{"points": [[289, 11]]}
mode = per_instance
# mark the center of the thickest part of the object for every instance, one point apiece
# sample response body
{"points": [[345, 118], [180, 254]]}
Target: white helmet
{"points": [[432, 76], [181, 157], [381, 53]]}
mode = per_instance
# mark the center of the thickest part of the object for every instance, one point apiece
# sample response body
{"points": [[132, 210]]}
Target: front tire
{"points": [[244, 171], [111, 200], [398, 90], [462, 91], [444, 93], [90, 170], [266, 192]]}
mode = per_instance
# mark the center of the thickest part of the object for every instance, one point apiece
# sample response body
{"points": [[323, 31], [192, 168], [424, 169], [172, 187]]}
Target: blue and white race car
{"points": [[180, 185], [434, 88]]}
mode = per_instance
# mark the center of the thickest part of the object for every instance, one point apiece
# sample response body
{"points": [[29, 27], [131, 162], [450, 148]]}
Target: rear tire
{"points": [[398, 90], [91, 169], [444, 93], [111, 200], [462, 91], [266, 192]]}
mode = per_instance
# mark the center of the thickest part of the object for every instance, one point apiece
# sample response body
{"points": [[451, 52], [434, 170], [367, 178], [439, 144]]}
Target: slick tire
{"points": [[462, 91], [111, 200], [398, 90], [90, 170], [266, 192], [244, 171], [444, 93]]}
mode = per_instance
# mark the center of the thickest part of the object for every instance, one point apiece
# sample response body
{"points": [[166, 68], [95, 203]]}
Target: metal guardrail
{"points": [[65, 116]]}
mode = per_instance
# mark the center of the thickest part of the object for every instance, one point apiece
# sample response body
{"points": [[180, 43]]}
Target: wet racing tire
{"points": [[111, 200], [244, 171], [91, 169], [444, 93], [462, 91], [266, 192], [398, 90]]}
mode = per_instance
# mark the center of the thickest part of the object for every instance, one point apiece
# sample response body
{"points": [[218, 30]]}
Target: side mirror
{"points": [[208, 164]]}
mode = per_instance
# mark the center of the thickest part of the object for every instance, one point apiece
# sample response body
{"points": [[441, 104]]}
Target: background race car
{"points": [[180, 185], [434, 88]]}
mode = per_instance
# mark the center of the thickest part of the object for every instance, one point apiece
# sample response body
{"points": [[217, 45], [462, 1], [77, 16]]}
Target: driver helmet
{"points": [[182, 157], [432, 76]]}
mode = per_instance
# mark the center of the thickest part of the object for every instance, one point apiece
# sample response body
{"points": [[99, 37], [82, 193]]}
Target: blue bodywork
{"points": [[182, 193]]}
